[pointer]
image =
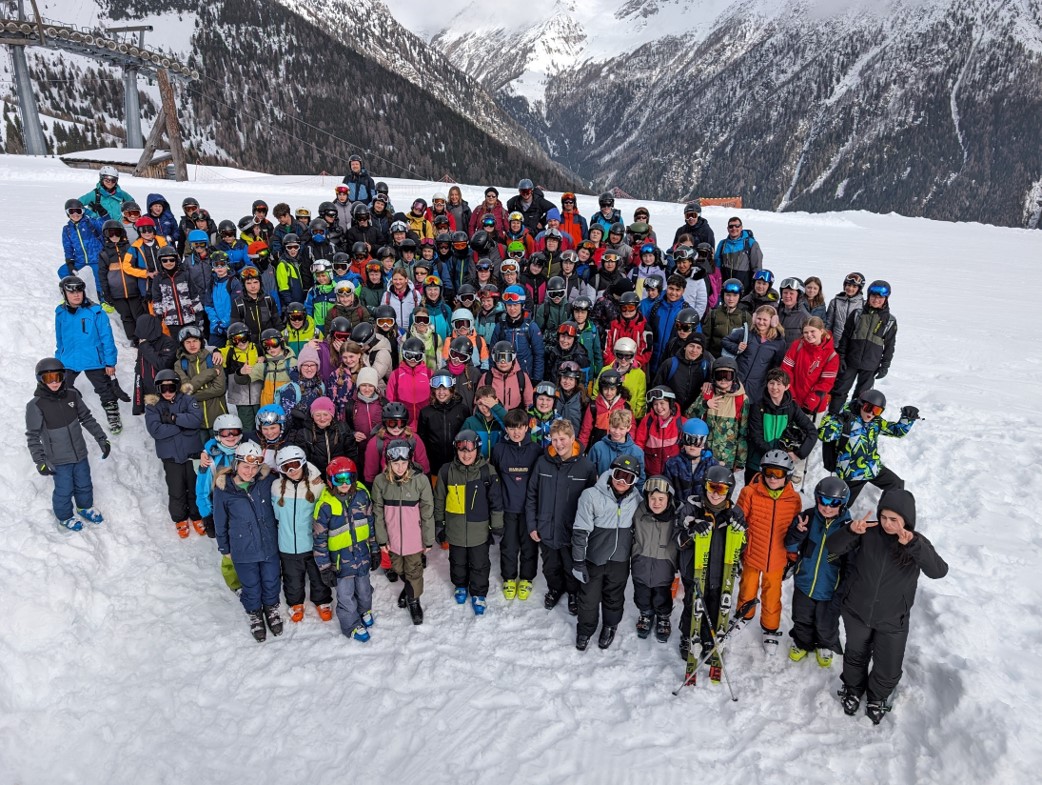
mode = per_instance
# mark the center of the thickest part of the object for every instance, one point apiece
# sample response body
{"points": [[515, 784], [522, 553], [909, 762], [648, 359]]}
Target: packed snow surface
{"points": [[125, 659]]}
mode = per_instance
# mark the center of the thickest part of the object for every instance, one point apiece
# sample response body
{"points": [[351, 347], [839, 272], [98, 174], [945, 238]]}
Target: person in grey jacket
{"points": [[849, 301], [654, 559], [602, 539], [54, 423]]}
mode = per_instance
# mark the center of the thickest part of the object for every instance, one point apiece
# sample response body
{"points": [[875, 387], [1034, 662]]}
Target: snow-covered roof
{"points": [[115, 155]]}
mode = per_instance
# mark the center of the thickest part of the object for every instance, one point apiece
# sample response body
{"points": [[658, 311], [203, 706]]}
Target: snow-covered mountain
{"points": [[923, 107]]}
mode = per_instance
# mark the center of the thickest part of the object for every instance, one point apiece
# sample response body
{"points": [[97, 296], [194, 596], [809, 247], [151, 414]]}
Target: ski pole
{"points": [[738, 621], [712, 634]]}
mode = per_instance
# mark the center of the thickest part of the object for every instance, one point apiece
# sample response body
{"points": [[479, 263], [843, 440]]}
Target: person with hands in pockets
{"points": [[54, 423]]}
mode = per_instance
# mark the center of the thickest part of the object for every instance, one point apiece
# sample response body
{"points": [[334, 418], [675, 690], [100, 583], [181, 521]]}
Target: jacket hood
{"points": [[148, 327], [769, 406], [157, 199], [900, 501]]}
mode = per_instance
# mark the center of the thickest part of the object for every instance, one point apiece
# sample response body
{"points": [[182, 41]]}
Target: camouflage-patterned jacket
{"points": [[728, 424]]}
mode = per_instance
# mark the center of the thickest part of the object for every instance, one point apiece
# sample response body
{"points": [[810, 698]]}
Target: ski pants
{"points": [[884, 647], [603, 595], [653, 599], [712, 608], [410, 567], [180, 490], [815, 623], [844, 381], [557, 569], [298, 569], [469, 568], [769, 585], [885, 481], [354, 596], [101, 382], [260, 582], [71, 480], [129, 311], [516, 545]]}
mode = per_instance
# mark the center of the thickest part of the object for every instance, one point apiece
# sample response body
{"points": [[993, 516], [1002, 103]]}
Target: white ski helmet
{"points": [[225, 422], [247, 450], [289, 454]]}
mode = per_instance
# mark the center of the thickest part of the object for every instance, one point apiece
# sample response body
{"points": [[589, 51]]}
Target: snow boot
{"points": [[606, 637], [796, 653], [112, 413], [551, 598], [274, 620], [771, 641], [360, 634], [644, 623], [460, 594], [257, 626], [415, 611], [850, 699], [403, 598], [368, 619], [199, 527], [573, 604], [663, 629], [90, 514], [296, 613], [325, 611], [824, 657], [71, 524], [478, 604], [582, 642], [524, 590], [509, 589], [182, 529]]}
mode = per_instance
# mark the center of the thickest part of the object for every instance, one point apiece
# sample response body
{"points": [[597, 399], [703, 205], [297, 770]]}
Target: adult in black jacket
{"points": [[866, 348], [886, 558], [155, 352], [559, 477], [441, 420], [532, 205], [695, 226], [686, 371]]}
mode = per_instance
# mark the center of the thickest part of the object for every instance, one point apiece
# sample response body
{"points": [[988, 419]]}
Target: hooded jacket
{"points": [[468, 502], [605, 451], [82, 240], [155, 352], [202, 380], [603, 529], [347, 523], [404, 512], [869, 337], [839, 310], [166, 224], [244, 519], [83, 337], [175, 297], [813, 372], [410, 385], [176, 441], [293, 510]]}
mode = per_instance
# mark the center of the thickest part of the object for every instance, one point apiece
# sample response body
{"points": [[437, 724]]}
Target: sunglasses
{"points": [[874, 410], [513, 298], [398, 454], [261, 210], [466, 446], [343, 478], [271, 343], [623, 476], [734, 226], [395, 423], [289, 466], [252, 460], [719, 488], [413, 357], [74, 211], [567, 201], [50, 377], [774, 472], [831, 501]]}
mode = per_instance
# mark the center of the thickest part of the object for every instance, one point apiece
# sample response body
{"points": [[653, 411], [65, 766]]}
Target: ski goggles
{"points": [[763, 275], [342, 478], [50, 377], [466, 299], [249, 272], [272, 343], [611, 256], [513, 298], [399, 454], [442, 382], [723, 375], [854, 280], [296, 316], [774, 472], [692, 441], [831, 501], [146, 230], [516, 254], [881, 291], [199, 246], [432, 280], [134, 214], [240, 339], [503, 357], [567, 329], [466, 445], [421, 319], [732, 288], [384, 323], [292, 466], [658, 485], [342, 267], [220, 264], [462, 324], [793, 283], [629, 309], [413, 357], [483, 266], [269, 418], [623, 476], [166, 387], [227, 433], [719, 488], [555, 294], [872, 409], [394, 422], [74, 211], [625, 356], [252, 460], [685, 328], [660, 395]]}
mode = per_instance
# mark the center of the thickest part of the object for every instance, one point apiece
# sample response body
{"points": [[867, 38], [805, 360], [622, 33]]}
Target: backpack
{"points": [[486, 380], [184, 363]]}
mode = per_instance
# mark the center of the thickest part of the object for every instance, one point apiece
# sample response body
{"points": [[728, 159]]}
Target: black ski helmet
{"points": [[165, 375], [721, 474], [832, 487], [73, 204], [873, 397], [363, 333], [49, 365]]}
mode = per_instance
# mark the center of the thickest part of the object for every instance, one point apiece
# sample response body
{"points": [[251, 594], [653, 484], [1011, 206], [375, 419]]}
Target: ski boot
{"points": [[771, 641], [824, 657], [296, 613], [461, 595], [199, 526], [582, 642], [71, 524], [403, 598], [182, 529], [274, 620], [573, 604], [368, 619], [509, 589], [112, 414], [606, 637], [551, 598], [108, 307], [796, 653], [90, 514], [415, 611], [257, 626], [643, 625], [876, 710], [524, 590], [478, 604], [850, 699], [663, 629], [325, 611], [360, 633], [685, 647]]}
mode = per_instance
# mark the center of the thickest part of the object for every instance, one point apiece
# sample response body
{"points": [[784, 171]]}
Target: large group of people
{"points": [[334, 395]]}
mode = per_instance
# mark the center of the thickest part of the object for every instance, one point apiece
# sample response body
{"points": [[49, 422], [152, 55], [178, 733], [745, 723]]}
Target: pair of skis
{"points": [[738, 621]]}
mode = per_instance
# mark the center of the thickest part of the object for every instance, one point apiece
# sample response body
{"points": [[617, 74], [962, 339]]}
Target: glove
{"points": [[909, 413], [106, 448], [580, 572], [440, 535], [374, 558], [44, 470], [700, 526], [498, 533], [168, 417], [120, 393], [881, 373], [328, 576]]}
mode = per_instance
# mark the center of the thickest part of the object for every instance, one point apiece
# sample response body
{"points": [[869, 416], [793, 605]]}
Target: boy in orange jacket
{"points": [[769, 504]]}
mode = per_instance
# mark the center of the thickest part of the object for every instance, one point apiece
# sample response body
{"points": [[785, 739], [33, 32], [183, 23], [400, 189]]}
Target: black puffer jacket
{"points": [[879, 588], [437, 428], [869, 337]]}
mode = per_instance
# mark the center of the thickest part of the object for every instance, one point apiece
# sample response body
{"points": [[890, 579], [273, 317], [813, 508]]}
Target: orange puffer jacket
{"points": [[768, 521]]}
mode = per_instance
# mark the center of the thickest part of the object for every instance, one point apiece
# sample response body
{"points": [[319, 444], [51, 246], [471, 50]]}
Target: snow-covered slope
{"points": [[123, 659]]}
